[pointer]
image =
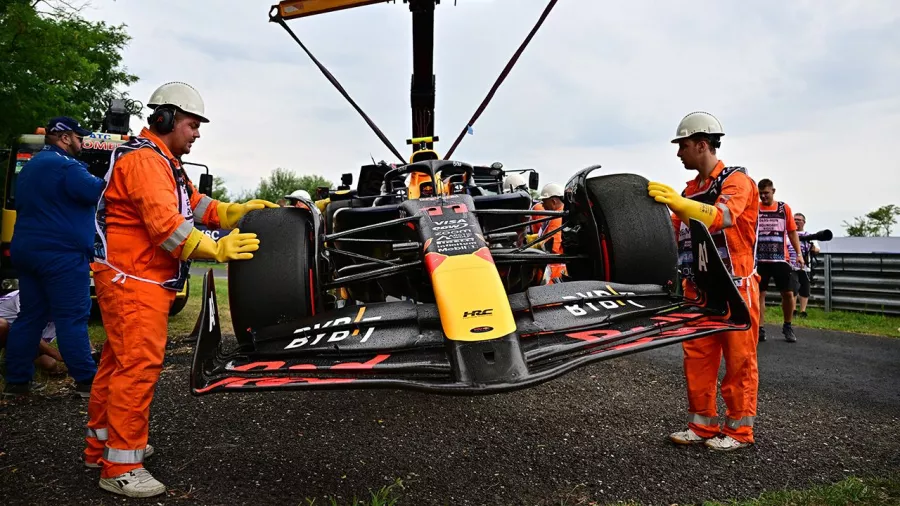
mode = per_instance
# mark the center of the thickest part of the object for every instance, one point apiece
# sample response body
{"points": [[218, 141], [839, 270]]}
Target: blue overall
{"points": [[51, 251]]}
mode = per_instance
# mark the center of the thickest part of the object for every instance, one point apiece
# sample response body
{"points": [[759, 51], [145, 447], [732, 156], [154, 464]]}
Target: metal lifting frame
{"points": [[422, 81]]}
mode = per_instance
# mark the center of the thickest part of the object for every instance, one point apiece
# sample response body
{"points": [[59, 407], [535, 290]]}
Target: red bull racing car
{"points": [[444, 294]]}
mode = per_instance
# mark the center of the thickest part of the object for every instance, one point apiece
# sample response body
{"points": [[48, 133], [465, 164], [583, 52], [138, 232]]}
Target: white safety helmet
{"points": [[513, 182], [299, 194], [551, 190], [697, 123], [181, 95]]}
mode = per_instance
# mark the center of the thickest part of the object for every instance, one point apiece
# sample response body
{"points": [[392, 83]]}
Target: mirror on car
{"points": [[206, 184], [533, 180]]}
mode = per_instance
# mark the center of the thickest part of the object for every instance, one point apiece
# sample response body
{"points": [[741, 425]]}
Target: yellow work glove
{"points": [[531, 237], [234, 246], [321, 204], [232, 212], [684, 208]]}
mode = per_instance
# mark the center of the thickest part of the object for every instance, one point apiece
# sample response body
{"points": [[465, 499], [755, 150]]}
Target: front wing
{"points": [[400, 344]]}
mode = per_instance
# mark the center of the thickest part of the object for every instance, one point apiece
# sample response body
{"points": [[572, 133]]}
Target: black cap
{"points": [[61, 124]]}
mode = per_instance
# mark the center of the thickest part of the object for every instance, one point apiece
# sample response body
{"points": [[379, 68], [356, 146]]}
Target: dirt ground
{"points": [[829, 407]]}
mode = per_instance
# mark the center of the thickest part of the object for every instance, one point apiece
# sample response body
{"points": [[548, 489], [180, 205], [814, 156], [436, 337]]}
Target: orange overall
{"points": [[553, 273], [734, 195], [148, 217]]}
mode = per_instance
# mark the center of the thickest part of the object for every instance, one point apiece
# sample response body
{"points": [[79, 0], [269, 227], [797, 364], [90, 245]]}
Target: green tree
{"points": [[283, 182], [219, 190], [879, 222], [56, 63]]}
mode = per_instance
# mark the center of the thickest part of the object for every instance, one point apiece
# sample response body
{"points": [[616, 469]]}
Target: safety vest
{"points": [[772, 238], [708, 196], [182, 194]]}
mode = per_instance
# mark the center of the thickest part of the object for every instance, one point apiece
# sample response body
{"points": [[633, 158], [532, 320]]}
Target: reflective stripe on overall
{"points": [[772, 238], [181, 233]]}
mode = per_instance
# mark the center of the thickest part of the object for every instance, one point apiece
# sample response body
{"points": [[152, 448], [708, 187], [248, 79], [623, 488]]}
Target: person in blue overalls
{"points": [[51, 250]]}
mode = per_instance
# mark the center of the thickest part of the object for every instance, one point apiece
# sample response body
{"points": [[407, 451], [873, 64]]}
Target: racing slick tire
{"points": [[275, 286], [636, 233]]}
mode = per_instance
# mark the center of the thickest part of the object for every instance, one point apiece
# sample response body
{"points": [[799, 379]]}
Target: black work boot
{"points": [[17, 389], [83, 388], [762, 334]]}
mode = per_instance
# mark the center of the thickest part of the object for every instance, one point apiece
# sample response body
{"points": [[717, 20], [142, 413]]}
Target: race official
{"points": [[297, 199], [777, 231], [51, 252], [551, 200], [724, 198], [145, 242]]}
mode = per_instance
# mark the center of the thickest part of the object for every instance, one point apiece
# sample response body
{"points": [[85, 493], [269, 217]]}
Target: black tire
{"points": [[179, 304], [274, 286], [636, 230]]}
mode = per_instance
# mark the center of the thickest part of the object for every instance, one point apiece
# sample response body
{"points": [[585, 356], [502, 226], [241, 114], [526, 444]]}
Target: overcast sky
{"points": [[808, 91]]}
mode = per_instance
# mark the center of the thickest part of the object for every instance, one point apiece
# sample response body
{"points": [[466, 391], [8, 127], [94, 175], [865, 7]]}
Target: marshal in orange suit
{"points": [[145, 242], [725, 200]]}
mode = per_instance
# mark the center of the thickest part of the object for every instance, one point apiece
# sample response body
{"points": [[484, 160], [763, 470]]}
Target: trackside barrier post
{"points": [[827, 283]]}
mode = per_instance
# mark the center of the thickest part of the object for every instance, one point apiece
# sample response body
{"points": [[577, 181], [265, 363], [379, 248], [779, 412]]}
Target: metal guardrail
{"points": [[867, 283]]}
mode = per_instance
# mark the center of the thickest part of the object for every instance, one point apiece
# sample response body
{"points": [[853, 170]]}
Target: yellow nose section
{"points": [[470, 296]]}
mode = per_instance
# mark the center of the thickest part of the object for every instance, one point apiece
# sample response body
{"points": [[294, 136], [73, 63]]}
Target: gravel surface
{"points": [[829, 407]]}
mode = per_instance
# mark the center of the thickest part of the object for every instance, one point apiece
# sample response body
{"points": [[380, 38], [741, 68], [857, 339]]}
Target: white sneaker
{"points": [[136, 483], [686, 437], [148, 451], [725, 444]]}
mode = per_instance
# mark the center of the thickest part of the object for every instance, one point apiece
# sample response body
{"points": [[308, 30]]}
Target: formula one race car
{"points": [[441, 293], [425, 276]]}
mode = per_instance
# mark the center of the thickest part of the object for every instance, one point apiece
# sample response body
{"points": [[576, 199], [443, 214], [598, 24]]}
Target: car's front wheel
{"points": [[636, 238], [278, 284]]}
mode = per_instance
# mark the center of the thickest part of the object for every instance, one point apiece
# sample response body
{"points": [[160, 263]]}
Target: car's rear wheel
{"points": [[637, 240], [277, 284]]}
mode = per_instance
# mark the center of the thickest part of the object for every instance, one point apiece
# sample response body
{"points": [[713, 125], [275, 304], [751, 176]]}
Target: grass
{"points": [[385, 496], [844, 321], [201, 264], [850, 491]]}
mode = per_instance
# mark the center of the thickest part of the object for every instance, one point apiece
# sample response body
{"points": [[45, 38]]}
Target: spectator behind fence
{"points": [[776, 231], [801, 276]]}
